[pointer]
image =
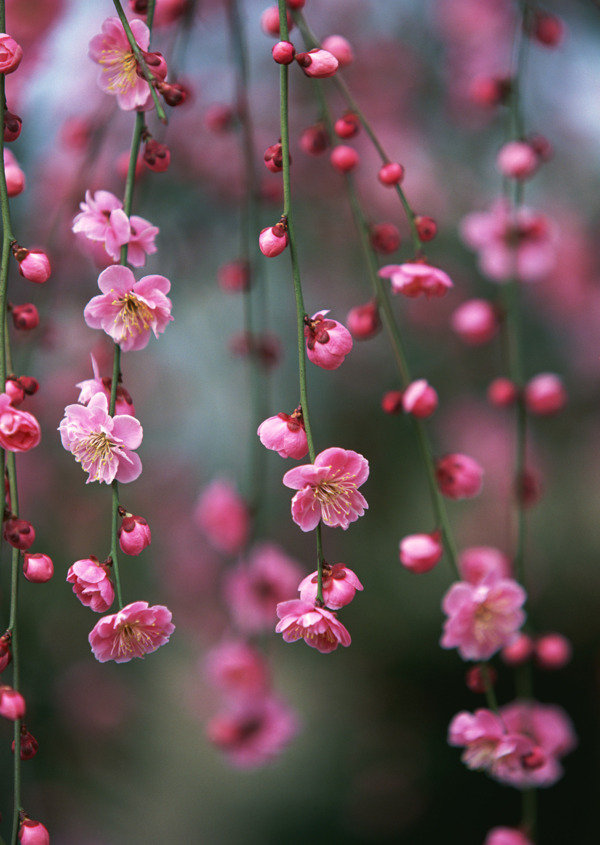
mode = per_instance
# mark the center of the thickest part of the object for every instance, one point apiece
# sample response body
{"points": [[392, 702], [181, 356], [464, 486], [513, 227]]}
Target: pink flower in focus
{"points": [[19, 430], [141, 240], [318, 63], [32, 832], [237, 669], [119, 68], [92, 584], [488, 744], [421, 552], [327, 341], [38, 568], [414, 279], [506, 836], [253, 733], [254, 588], [136, 630], [318, 627], [328, 489], [458, 476], [100, 443], [285, 434], [223, 516], [103, 220], [12, 703], [339, 586], [90, 387], [482, 617], [34, 264], [11, 54], [134, 534], [128, 310]]}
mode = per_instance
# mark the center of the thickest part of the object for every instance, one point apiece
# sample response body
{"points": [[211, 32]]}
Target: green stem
{"points": [[114, 554], [13, 628]]}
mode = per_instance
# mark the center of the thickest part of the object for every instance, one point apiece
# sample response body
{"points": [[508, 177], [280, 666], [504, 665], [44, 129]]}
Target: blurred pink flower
{"points": [[118, 74], [92, 584], [476, 562], [458, 476], [237, 669], [128, 310], [327, 341], [136, 630], [100, 443], [102, 219], [482, 617], [414, 279], [506, 836], [339, 586], [489, 745], [421, 552], [285, 434], [318, 627], [328, 489], [223, 516], [19, 430]]}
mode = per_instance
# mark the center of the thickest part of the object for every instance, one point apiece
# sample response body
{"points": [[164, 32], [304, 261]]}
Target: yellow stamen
{"points": [[121, 67]]}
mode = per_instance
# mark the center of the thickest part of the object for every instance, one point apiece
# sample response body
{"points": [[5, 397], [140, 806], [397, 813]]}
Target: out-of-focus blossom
{"points": [[223, 516], [458, 476], [100, 443], [475, 321], [91, 583], [416, 279], [285, 434], [19, 430], [339, 586], [136, 630], [15, 178], [421, 552], [118, 64], [238, 669], [477, 562], [269, 21], [340, 47], [128, 310], [518, 651], [328, 489], [391, 174], [545, 394], [318, 627], [553, 651], [344, 158], [363, 321], [506, 836], [327, 341], [517, 160], [420, 399], [90, 387]]}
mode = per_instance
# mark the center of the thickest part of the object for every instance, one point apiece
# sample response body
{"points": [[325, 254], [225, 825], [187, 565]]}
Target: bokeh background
{"points": [[123, 753]]}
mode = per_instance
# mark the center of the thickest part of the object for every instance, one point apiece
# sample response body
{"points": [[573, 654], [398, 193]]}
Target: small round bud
{"points": [[340, 47], [391, 402], [344, 158], [273, 158], [38, 568], [421, 552], [517, 652], [385, 238], [553, 651], [517, 160], [25, 316], [488, 91], [502, 392], [426, 228], [475, 321], [134, 534], [283, 52], [347, 126], [34, 264], [545, 394], [391, 174], [546, 29], [11, 54], [273, 240], [314, 140], [157, 156], [269, 21], [458, 476], [479, 679], [363, 321], [420, 399], [12, 703], [18, 533], [174, 94]]}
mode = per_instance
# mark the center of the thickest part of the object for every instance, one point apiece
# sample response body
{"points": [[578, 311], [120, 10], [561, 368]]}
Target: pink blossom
{"points": [[90, 387], [318, 63], [253, 733], [15, 178], [328, 489], [414, 279], [32, 832], [92, 584], [318, 627], [421, 552], [545, 394], [363, 321], [506, 836], [223, 516], [476, 562], [510, 242], [237, 669], [38, 568], [19, 430], [102, 219], [458, 476], [134, 534], [420, 399], [482, 617], [128, 310], [285, 434], [489, 745], [475, 321], [12, 703], [340, 47], [136, 630], [339, 586], [100, 443], [517, 160], [518, 650], [11, 54], [141, 240], [553, 651], [257, 584], [119, 68], [327, 341]]}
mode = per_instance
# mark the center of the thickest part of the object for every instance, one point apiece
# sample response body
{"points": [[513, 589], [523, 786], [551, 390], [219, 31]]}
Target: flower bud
{"points": [[29, 384], [344, 158], [12, 126], [517, 160], [33, 833], [426, 228], [420, 399], [283, 52], [420, 552], [157, 157], [478, 679], [502, 392], [339, 586], [234, 276], [314, 140], [269, 21], [475, 321], [340, 47], [15, 390], [219, 118], [285, 434], [25, 316], [320, 64], [363, 321], [134, 534], [295, 4], [12, 703], [15, 178], [5, 650], [547, 29], [385, 237], [273, 240], [38, 568], [28, 744], [458, 476], [518, 651], [392, 401], [11, 54], [545, 394], [273, 158], [18, 533], [157, 66], [33, 264], [391, 174], [174, 94], [553, 651], [347, 126]]}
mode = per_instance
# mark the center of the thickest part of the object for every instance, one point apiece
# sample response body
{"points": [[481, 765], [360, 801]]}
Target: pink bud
{"points": [[319, 64], [339, 47], [174, 94], [517, 160], [33, 264], [12, 703], [475, 321], [518, 651], [273, 158], [15, 390], [426, 228], [269, 21], [547, 29], [363, 321], [420, 399], [273, 240], [391, 174], [5, 650], [285, 434], [28, 744], [295, 4], [134, 534], [25, 316], [420, 552], [502, 392], [344, 158], [478, 679], [489, 91], [458, 476], [553, 651], [327, 341], [157, 66], [339, 586], [234, 276], [283, 52], [385, 238], [11, 54], [392, 401], [18, 533], [314, 140], [506, 836], [15, 178], [33, 833], [12, 126], [157, 157], [38, 568], [545, 394], [347, 126]]}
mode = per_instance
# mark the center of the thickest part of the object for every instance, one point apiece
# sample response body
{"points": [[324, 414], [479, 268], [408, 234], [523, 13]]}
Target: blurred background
{"points": [[124, 756]]}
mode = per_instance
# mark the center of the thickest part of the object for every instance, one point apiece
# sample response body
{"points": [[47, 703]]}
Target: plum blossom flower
{"points": [[237, 669], [506, 836], [91, 386], [32, 832], [421, 552], [19, 430], [136, 630], [128, 310], [141, 240], [119, 68], [252, 733], [458, 476], [318, 627], [285, 434], [102, 219], [318, 63], [414, 279], [134, 534], [100, 443], [339, 586], [12, 703], [223, 516], [92, 584], [328, 489], [11, 54], [327, 341], [482, 617]]}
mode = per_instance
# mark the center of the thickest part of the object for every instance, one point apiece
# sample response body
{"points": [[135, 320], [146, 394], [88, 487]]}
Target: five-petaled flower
{"points": [[100, 443], [136, 630], [327, 341], [328, 489], [19, 430], [119, 67], [318, 627], [416, 278], [128, 310]]}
